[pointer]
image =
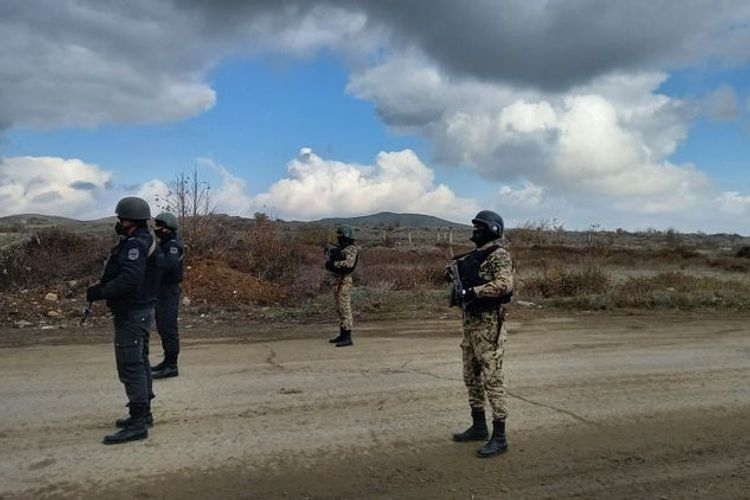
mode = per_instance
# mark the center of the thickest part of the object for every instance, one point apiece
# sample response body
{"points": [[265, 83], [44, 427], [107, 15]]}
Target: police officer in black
{"points": [[129, 284], [168, 298]]}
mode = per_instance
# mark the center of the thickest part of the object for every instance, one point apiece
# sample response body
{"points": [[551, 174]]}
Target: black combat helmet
{"points": [[133, 208], [492, 220], [169, 220], [345, 232]]}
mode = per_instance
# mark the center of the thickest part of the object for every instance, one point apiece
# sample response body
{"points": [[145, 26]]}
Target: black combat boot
{"points": [[167, 368], [497, 443], [135, 430], [346, 339], [336, 340], [166, 372], [478, 429], [125, 421]]}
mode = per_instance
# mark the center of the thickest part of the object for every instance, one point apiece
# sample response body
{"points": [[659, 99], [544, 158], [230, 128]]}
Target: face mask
{"points": [[481, 235], [161, 230]]}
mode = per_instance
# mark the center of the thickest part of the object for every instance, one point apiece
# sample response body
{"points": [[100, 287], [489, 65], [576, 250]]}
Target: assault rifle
{"points": [[330, 253], [458, 288]]}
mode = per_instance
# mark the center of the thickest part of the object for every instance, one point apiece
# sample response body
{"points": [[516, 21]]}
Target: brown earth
{"points": [[602, 406]]}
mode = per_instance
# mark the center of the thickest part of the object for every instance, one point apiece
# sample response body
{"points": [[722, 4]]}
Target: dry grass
{"points": [[268, 264]]}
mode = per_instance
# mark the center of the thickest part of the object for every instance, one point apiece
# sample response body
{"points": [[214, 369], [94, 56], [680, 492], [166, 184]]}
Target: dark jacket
{"points": [[171, 265], [131, 275]]}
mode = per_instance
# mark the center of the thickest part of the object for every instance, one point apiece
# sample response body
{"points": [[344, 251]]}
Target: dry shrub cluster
{"points": [[270, 256], [540, 256], [206, 236], [398, 269], [51, 256], [681, 291], [559, 282]]}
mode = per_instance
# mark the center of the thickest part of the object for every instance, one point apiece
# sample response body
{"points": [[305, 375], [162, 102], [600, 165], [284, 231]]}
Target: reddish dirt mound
{"points": [[214, 282]]}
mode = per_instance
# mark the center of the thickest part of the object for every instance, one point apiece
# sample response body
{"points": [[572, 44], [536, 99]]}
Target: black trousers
{"points": [[131, 353], [167, 309]]}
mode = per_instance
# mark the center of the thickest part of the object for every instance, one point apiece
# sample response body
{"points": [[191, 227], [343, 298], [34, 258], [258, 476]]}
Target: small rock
{"points": [[52, 297], [54, 314], [48, 327], [525, 303], [186, 301], [72, 283], [22, 323]]}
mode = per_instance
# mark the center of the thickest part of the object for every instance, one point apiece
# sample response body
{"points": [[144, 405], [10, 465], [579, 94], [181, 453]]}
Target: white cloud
{"points": [[528, 196], [607, 140], [398, 182], [53, 186], [229, 194], [734, 203]]}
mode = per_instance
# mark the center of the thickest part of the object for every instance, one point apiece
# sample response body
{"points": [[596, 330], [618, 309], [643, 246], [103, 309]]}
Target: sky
{"points": [[580, 113]]}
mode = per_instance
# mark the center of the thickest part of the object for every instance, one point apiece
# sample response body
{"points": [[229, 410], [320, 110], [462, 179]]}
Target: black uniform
{"points": [[129, 285], [168, 300]]}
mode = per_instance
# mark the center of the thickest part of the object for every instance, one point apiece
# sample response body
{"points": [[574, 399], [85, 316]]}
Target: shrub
{"points": [[52, 255], [269, 256], [558, 282]]}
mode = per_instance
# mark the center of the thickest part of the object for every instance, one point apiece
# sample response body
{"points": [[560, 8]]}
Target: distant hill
{"points": [[33, 222], [390, 219]]}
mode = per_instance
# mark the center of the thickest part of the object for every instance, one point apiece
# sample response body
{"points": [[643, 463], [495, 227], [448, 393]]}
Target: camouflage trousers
{"points": [[483, 349], [342, 294]]}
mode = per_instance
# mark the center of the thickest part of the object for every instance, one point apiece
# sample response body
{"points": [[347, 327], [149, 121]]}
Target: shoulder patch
{"points": [[133, 254], [173, 250]]}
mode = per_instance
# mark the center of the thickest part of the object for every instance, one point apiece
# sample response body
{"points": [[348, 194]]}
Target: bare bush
{"points": [[52, 255], [269, 256], [542, 232], [558, 282], [398, 269], [189, 199]]}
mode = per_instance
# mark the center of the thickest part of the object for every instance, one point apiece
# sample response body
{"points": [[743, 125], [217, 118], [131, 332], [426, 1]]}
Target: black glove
{"points": [[448, 274], [468, 295], [94, 293], [329, 265]]}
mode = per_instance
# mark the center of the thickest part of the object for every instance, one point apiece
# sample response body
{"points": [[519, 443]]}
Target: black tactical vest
{"points": [[468, 270]]}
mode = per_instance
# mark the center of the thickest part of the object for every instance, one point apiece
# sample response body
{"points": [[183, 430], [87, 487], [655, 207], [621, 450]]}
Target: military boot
{"points": [[135, 430], [167, 368], [346, 339], [126, 421], [336, 340], [166, 372], [478, 429], [497, 443]]}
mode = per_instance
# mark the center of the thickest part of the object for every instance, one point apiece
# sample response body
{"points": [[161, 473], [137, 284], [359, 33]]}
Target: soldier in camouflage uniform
{"points": [[483, 287], [340, 262]]}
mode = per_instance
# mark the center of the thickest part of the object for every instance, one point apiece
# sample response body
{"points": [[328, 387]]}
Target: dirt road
{"points": [[647, 406]]}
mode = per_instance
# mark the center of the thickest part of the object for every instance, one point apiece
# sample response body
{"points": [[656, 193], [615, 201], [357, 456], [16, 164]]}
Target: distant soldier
{"points": [[483, 284], [340, 261], [168, 298], [128, 284]]}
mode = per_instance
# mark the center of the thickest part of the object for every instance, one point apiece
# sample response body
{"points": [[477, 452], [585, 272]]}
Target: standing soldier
{"points": [[340, 261], [128, 284], [483, 284], [168, 298]]}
